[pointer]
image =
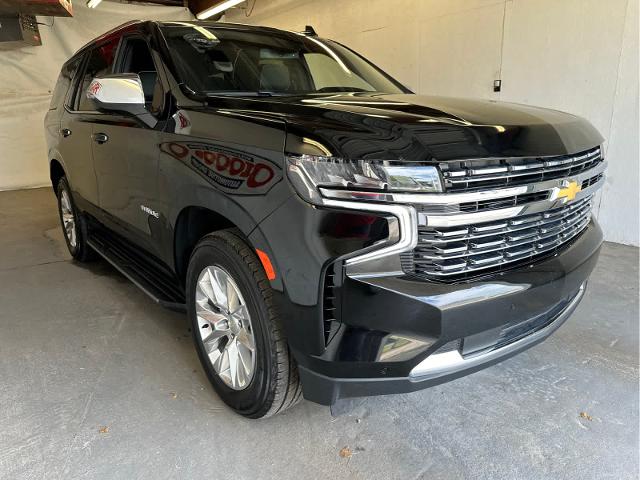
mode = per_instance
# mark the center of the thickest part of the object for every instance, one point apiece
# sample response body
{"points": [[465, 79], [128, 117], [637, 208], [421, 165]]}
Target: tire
{"points": [[273, 384], [75, 235]]}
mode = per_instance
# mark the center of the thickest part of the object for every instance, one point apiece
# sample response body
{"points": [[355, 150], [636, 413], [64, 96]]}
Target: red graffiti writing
{"points": [[256, 173]]}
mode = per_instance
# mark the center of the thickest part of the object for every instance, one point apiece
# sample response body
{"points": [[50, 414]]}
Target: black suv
{"points": [[329, 233]]}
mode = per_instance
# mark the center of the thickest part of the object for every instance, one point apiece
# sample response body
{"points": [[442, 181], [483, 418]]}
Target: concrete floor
{"points": [[98, 382]]}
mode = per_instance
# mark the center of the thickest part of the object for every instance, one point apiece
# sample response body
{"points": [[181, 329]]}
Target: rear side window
{"points": [[64, 83], [100, 62]]}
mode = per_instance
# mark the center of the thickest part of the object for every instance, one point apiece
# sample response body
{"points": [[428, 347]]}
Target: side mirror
{"points": [[122, 93]]}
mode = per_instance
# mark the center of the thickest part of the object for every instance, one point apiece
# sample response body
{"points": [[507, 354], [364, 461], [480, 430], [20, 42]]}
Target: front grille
{"points": [[499, 202], [469, 175], [454, 253], [591, 181], [496, 203]]}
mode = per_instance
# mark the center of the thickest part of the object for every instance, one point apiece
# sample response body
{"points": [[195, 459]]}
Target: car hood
{"points": [[426, 128]]}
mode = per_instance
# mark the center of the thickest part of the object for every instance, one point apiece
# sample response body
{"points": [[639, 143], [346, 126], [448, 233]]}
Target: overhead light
{"points": [[215, 9], [93, 3]]}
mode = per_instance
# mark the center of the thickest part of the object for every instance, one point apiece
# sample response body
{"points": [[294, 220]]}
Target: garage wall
{"points": [[28, 75], [579, 56]]}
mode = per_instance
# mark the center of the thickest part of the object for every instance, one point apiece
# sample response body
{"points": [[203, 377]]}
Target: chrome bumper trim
{"points": [[441, 364]]}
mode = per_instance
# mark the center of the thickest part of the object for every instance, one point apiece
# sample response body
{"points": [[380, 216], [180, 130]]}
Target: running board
{"points": [[152, 282]]}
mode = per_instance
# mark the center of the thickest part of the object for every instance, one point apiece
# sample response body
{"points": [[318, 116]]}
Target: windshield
{"points": [[219, 60]]}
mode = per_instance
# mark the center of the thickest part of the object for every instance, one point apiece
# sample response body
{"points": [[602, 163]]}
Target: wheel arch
{"points": [[195, 221], [56, 172]]}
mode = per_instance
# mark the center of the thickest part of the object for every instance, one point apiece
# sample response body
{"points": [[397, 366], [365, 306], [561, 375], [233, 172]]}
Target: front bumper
{"points": [[485, 320]]}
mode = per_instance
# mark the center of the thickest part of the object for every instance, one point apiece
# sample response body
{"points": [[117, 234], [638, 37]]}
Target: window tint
{"points": [[100, 62], [224, 60], [136, 58], [64, 82]]}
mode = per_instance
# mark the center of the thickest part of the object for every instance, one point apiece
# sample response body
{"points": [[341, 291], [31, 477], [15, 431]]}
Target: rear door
{"points": [[125, 152], [60, 100], [76, 126]]}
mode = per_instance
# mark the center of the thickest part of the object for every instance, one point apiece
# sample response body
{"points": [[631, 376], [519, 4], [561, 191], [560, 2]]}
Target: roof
{"points": [[228, 25], [133, 24]]}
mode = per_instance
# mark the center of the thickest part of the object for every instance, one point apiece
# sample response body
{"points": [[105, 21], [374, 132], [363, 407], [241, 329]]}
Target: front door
{"points": [[125, 154]]}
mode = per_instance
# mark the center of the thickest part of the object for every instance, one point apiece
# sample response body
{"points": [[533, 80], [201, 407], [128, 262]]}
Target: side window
{"points": [[136, 58], [64, 82], [100, 62]]}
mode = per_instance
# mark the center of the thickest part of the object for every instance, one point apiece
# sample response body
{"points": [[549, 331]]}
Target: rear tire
{"points": [[74, 226], [272, 383]]}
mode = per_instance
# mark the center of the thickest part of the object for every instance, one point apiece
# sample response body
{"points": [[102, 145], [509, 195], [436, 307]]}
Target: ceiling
{"points": [[53, 7], [194, 5]]}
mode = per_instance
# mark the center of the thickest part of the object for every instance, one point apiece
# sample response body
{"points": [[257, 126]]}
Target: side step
{"points": [[156, 284]]}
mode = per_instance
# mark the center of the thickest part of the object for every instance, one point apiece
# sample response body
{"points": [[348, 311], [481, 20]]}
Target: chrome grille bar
{"points": [[443, 253], [471, 174]]}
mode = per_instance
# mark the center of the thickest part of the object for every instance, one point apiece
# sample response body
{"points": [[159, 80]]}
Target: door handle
{"points": [[65, 132], [100, 138]]}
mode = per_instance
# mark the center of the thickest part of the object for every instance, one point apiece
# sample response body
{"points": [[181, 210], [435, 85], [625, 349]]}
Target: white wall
{"points": [[27, 76], [579, 56], [584, 59]]}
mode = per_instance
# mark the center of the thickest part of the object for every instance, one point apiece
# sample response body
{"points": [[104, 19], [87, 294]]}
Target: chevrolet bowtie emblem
{"points": [[569, 190]]}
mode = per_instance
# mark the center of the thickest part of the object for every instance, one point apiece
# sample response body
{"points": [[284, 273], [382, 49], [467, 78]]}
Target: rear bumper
{"points": [[462, 327]]}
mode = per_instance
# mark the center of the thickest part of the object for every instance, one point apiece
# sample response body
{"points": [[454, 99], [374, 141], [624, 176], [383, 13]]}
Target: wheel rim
{"points": [[224, 326], [68, 219]]}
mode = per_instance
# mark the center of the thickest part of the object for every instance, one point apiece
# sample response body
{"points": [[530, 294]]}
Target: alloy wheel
{"points": [[224, 326], [68, 219]]}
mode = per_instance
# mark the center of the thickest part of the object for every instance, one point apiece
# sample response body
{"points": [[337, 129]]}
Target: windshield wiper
{"points": [[241, 93], [341, 90]]}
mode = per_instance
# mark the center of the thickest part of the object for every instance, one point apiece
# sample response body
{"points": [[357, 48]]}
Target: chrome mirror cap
{"points": [[120, 89], [121, 93]]}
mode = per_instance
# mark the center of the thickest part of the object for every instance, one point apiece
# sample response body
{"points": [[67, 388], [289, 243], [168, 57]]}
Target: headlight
{"points": [[315, 177]]}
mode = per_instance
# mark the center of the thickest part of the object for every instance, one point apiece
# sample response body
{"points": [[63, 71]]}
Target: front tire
{"points": [[236, 329], [73, 224]]}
